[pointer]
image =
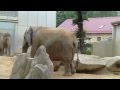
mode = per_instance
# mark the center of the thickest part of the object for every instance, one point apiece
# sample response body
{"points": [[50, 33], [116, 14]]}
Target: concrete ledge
{"points": [[116, 23]]}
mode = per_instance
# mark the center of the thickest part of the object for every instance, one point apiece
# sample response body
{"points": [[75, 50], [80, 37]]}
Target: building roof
{"points": [[93, 25]]}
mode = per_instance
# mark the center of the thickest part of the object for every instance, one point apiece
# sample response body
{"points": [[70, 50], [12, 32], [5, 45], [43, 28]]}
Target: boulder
{"points": [[41, 57], [39, 71], [113, 65], [21, 66], [29, 68], [95, 64], [88, 63], [103, 71]]}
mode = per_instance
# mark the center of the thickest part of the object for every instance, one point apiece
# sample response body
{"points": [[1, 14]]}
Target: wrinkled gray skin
{"points": [[27, 42], [5, 40], [66, 48]]}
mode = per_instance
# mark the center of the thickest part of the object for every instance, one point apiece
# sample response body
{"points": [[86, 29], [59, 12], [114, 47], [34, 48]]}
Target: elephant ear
{"points": [[29, 35]]}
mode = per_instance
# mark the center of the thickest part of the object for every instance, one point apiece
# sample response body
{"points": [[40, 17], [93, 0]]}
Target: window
{"points": [[9, 13], [98, 38]]}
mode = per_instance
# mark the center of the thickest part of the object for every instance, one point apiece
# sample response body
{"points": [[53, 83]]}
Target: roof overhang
{"points": [[116, 23]]}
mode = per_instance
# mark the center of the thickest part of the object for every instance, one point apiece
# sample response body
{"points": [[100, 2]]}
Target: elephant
{"points": [[60, 45], [5, 43]]}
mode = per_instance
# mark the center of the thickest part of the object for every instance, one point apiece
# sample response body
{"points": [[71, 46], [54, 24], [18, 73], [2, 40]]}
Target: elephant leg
{"points": [[56, 68], [5, 51], [56, 65], [73, 70], [67, 68], [8, 51], [33, 50], [2, 52]]}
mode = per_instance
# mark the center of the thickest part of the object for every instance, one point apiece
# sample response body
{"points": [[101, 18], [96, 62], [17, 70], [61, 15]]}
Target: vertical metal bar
{"points": [[37, 18], [46, 18]]}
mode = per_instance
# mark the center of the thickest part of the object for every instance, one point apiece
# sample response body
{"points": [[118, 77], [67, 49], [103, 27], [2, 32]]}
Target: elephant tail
{"points": [[75, 44]]}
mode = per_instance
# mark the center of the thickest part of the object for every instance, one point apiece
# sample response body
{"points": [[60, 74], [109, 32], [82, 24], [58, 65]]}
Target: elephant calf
{"points": [[60, 45]]}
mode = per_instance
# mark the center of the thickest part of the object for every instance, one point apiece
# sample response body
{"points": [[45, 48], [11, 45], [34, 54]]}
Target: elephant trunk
{"points": [[25, 48]]}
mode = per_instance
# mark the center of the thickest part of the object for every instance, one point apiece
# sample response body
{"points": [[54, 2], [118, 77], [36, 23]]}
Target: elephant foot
{"points": [[67, 74], [56, 68], [73, 72]]}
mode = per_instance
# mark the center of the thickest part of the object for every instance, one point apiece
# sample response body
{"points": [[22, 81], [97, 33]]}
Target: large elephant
{"points": [[60, 45]]}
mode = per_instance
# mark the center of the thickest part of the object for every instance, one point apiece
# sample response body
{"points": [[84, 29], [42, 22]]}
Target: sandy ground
{"points": [[6, 64]]}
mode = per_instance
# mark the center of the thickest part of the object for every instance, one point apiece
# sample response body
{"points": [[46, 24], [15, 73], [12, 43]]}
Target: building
{"points": [[98, 29], [16, 23], [109, 48]]}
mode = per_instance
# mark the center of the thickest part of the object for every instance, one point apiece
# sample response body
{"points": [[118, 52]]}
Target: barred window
{"points": [[9, 13]]}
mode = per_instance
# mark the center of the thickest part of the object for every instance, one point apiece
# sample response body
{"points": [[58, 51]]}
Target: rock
{"points": [[38, 67], [39, 71], [102, 71], [113, 65], [89, 68], [97, 65], [21, 66], [89, 63], [41, 57], [41, 66]]}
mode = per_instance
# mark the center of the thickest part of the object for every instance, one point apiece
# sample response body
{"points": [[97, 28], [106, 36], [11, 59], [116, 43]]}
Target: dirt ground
{"points": [[6, 64]]}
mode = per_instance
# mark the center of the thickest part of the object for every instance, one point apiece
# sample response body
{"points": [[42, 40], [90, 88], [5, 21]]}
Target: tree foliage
{"points": [[63, 15], [80, 33], [93, 14]]}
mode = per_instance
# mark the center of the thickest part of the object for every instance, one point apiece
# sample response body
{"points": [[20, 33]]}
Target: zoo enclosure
{"points": [[16, 23]]}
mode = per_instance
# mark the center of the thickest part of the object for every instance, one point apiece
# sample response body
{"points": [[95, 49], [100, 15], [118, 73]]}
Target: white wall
{"points": [[51, 19], [103, 48], [42, 20], [33, 18]]}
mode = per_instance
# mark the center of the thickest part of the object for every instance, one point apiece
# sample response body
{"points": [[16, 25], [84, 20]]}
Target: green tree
{"points": [[63, 15], [80, 33], [93, 14]]}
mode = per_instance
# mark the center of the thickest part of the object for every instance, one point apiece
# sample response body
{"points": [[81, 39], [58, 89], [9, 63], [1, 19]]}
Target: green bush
{"points": [[88, 49]]}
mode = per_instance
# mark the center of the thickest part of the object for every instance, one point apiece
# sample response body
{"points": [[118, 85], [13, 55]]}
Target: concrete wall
{"points": [[94, 36], [32, 18], [103, 48]]}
